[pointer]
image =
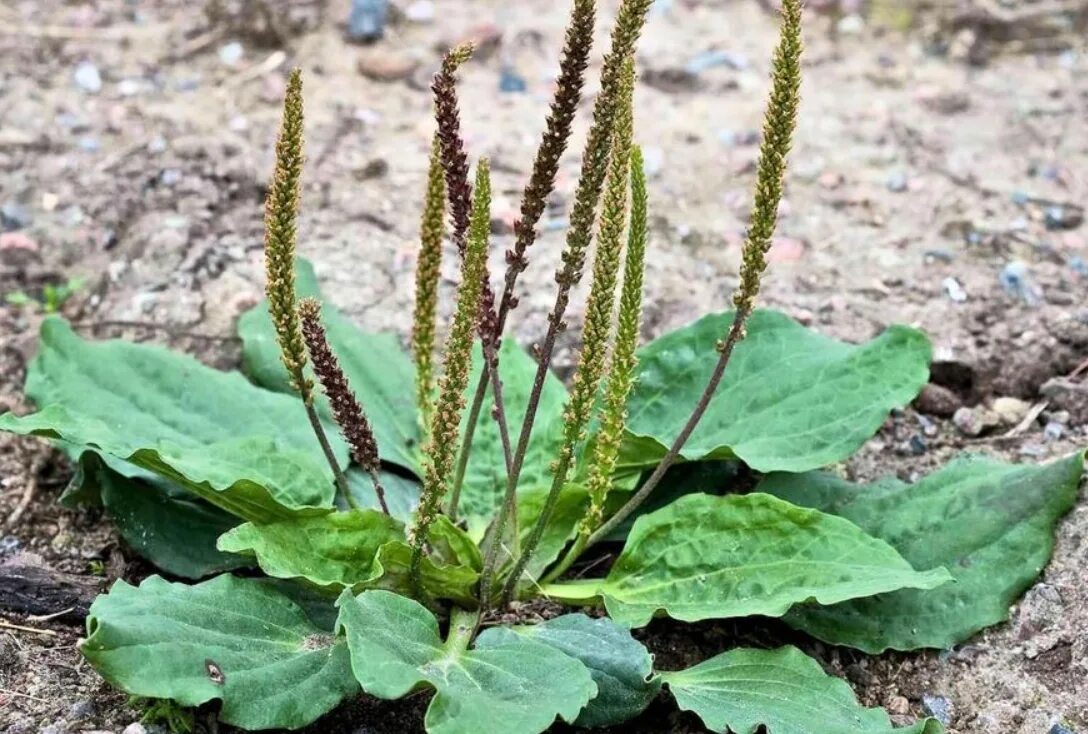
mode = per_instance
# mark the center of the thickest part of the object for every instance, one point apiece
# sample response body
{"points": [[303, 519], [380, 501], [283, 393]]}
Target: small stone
{"points": [[383, 66], [87, 77], [974, 421], [421, 11], [1016, 280], [1068, 395], [89, 144], [134, 728], [851, 25], [897, 182], [367, 20], [231, 53], [1053, 431], [1063, 216], [13, 216], [898, 706], [1060, 729], [710, 59], [954, 290], [511, 82], [1010, 410], [938, 400], [939, 707], [81, 710]]}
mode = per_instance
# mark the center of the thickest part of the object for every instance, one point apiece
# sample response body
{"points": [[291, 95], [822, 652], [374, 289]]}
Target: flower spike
{"points": [[431, 229], [443, 436]]}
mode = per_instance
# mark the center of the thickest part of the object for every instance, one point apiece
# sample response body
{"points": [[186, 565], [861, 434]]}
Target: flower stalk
{"points": [[568, 93], [280, 240], [780, 120], [346, 409], [599, 316], [432, 227], [625, 34], [441, 447]]}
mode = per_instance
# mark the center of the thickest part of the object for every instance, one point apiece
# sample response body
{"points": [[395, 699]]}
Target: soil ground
{"points": [[930, 156]]}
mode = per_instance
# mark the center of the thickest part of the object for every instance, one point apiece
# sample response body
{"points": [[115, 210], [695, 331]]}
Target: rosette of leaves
{"points": [[518, 476]]}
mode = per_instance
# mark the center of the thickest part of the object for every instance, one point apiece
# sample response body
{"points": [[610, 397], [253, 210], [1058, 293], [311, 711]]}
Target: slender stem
{"points": [[379, 490], [491, 357], [736, 333], [466, 448], [326, 448]]}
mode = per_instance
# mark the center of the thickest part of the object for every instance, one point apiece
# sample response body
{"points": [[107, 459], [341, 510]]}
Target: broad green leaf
{"points": [[791, 400], [165, 524], [380, 372], [991, 524], [706, 557], [783, 690], [358, 549], [239, 640], [246, 450], [401, 493], [621, 667], [505, 680], [485, 476]]}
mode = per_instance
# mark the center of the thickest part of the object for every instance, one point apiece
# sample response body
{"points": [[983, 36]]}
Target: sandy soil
{"points": [[927, 161]]}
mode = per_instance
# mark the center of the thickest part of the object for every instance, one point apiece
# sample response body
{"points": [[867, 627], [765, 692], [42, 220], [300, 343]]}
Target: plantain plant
{"points": [[390, 542]]}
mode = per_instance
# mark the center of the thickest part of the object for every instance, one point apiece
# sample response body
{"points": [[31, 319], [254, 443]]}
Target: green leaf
{"points": [[506, 678], [706, 557], [380, 372], [165, 524], [990, 523], [621, 667], [358, 549], [485, 476], [246, 450], [401, 493], [791, 400], [784, 690], [239, 640]]}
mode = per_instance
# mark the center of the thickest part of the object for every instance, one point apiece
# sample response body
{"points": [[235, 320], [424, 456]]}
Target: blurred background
{"points": [[939, 178]]}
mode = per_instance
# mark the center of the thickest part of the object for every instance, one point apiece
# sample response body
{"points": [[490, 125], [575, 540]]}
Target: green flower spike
{"points": [[441, 448]]}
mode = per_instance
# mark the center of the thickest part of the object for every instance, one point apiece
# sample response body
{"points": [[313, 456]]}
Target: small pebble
{"points": [[954, 290], [898, 706], [88, 78], [1016, 280], [89, 144], [973, 421], [710, 59], [939, 707], [851, 25], [81, 710], [134, 728], [1010, 410], [510, 81], [1078, 265], [938, 400], [1054, 431], [231, 53], [13, 216], [367, 20], [1063, 216], [421, 11], [1060, 729], [897, 182]]}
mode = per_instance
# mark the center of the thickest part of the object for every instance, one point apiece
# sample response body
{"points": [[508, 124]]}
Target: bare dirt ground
{"points": [[937, 180]]}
